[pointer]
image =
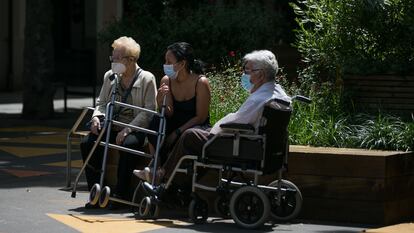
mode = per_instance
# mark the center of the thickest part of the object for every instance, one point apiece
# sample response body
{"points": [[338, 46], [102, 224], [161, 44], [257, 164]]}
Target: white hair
{"points": [[263, 59], [129, 45]]}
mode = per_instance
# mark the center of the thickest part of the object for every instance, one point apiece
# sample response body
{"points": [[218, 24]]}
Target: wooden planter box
{"points": [[386, 92], [353, 185]]}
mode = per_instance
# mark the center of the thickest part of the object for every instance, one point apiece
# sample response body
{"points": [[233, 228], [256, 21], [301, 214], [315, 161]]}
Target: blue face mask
{"points": [[169, 71], [245, 82]]}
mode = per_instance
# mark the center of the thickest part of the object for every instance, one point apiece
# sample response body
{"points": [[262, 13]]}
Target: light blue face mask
{"points": [[245, 82], [169, 71]]}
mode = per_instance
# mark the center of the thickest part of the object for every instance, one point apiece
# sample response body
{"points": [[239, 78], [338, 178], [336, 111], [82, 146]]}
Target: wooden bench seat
{"points": [[353, 185]]}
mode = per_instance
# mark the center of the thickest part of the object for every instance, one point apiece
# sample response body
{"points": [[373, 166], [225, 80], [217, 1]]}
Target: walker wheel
{"points": [[139, 193], [249, 207], [148, 209], [94, 194], [198, 211], [104, 197]]}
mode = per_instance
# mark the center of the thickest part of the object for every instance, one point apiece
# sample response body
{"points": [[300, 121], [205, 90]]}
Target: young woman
{"points": [[187, 93]]}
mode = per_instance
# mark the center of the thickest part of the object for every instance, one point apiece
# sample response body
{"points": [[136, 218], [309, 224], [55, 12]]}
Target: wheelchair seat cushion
{"points": [[221, 151]]}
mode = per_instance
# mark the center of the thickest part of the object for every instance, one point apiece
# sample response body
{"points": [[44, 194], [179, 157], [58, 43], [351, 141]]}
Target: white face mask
{"points": [[169, 71], [245, 82], [118, 68]]}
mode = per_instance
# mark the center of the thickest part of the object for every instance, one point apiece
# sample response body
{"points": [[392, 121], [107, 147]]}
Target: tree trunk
{"points": [[38, 73]]}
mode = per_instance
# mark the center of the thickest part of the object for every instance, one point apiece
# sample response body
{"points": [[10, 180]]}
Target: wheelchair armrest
{"points": [[238, 127]]}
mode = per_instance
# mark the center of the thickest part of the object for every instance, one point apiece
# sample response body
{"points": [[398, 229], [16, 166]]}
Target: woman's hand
{"points": [[122, 135], [163, 91], [96, 125]]}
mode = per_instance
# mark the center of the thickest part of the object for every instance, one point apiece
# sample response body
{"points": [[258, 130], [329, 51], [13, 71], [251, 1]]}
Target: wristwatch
{"points": [[178, 131]]}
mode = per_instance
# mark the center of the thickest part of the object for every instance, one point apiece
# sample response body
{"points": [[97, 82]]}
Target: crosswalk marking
{"points": [[25, 173], [33, 129], [56, 139], [92, 224], [75, 164], [22, 152]]}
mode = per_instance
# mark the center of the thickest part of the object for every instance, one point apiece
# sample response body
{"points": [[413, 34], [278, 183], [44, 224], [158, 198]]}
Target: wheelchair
{"points": [[240, 155]]}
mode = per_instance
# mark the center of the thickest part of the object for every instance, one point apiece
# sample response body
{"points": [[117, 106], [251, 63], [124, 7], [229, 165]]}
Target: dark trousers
{"points": [[127, 162], [191, 142]]}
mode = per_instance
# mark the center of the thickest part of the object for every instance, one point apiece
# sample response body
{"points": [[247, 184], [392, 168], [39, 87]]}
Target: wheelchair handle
{"points": [[302, 98]]}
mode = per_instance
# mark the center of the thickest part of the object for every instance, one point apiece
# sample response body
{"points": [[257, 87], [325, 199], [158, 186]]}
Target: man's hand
{"points": [[122, 135], [96, 125]]}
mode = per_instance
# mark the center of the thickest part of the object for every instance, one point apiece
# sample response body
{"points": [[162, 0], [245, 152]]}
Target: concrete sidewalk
{"points": [[32, 180], [11, 102]]}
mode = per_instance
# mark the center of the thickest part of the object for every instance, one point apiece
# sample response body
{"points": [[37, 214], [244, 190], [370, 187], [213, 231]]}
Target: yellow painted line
{"points": [[46, 139], [25, 173], [92, 224], [399, 228], [33, 129], [75, 164], [30, 151]]}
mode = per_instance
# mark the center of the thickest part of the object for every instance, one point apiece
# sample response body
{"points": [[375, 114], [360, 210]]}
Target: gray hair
{"points": [[129, 45], [263, 59]]}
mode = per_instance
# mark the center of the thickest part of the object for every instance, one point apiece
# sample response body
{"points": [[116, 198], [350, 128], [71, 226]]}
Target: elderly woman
{"points": [[135, 87], [260, 69]]}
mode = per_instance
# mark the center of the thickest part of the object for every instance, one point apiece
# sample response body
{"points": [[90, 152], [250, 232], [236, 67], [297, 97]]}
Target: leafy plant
{"points": [[354, 36], [227, 94], [323, 122], [214, 29]]}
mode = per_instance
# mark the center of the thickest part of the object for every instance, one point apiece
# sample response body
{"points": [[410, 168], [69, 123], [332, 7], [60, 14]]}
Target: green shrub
{"points": [[323, 122], [227, 95], [383, 132], [354, 36], [213, 29]]}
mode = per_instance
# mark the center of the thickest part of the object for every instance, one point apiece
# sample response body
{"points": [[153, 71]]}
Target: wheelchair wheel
{"points": [[148, 209], [94, 194], [221, 206], [104, 197], [198, 211], [290, 203], [249, 207]]}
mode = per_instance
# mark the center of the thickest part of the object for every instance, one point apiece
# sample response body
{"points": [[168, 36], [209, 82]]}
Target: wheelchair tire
{"points": [[198, 211], [221, 207], [249, 207], [104, 197], [148, 209], [290, 203], [94, 194]]}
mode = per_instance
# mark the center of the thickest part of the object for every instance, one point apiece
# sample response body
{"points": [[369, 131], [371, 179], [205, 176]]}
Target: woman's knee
{"points": [[134, 141], [194, 137]]}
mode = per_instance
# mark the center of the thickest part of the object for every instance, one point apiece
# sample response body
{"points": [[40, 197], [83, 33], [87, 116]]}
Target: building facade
{"points": [[75, 36]]}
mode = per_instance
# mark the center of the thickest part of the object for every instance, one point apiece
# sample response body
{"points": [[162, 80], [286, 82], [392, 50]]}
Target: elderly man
{"points": [[260, 69], [135, 87]]}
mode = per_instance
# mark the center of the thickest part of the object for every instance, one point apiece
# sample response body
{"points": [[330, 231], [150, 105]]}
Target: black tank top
{"points": [[184, 111]]}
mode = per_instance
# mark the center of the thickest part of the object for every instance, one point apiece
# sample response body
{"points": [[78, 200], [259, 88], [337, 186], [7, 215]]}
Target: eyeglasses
{"points": [[248, 71], [112, 59]]}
